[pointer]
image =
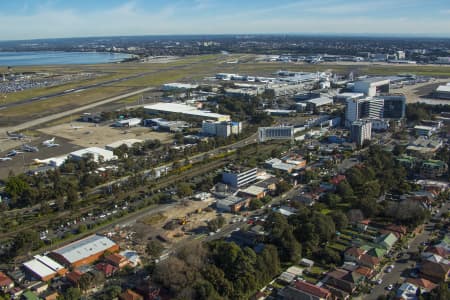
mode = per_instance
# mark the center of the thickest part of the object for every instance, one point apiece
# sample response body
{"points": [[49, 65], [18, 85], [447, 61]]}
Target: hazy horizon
{"points": [[27, 20]]}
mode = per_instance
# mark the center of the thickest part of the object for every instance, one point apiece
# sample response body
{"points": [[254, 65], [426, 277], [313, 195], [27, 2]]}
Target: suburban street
{"points": [[401, 266]]}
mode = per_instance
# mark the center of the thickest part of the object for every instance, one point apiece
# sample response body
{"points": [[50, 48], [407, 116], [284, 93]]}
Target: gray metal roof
{"points": [[84, 248]]}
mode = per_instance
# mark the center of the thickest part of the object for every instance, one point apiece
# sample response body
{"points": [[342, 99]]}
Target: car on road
{"points": [[388, 270], [379, 281]]}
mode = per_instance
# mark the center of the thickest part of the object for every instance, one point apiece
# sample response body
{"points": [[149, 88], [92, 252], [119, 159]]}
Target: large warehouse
{"points": [[44, 268], [443, 91], [84, 251], [96, 153], [184, 109]]}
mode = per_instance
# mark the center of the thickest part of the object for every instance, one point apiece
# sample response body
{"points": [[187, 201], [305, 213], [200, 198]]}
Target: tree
{"points": [[256, 204], [340, 219], [71, 294], [184, 190], [154, 248], [283, 187], [216, 223]]}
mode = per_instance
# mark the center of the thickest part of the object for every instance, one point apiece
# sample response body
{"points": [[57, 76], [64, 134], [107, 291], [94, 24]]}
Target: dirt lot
{"points": [[89, 135], [196, 220]]}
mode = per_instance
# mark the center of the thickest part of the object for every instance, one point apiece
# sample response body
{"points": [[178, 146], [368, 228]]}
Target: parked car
{"points": [[390, 287]]}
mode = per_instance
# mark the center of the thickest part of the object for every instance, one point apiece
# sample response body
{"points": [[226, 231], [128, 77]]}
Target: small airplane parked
{"points": [[28, 148], [13, 153], [15, 136], [50, 143], [75, 127], [5, 158]]}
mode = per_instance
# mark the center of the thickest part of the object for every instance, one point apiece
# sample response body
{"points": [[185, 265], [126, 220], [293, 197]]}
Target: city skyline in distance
{"points": [[65, 19]]}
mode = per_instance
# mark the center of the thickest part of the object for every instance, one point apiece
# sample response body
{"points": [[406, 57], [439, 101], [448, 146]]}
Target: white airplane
{"points": [[76, 127], [13, 153], [5, 158], [50, 143]]}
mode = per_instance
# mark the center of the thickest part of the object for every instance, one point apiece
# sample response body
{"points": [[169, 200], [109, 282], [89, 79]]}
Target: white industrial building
{"points": [[184, 109], [275, 133], [221, 129], [129, 143], [372, 86], [95, 152]]}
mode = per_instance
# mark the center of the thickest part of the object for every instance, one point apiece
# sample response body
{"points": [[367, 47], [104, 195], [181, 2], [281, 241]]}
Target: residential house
{"points": [[306, 263], [407, 291], [353, 254], [376, 252], [6, 283], [399, 230], [433, 168], [363, 225], [50, 295], [360, 256], [424, 284], [386, 241], [364, 271], [369, 261], [40, 288], [301, 290], [149, 292], [130, 295], [441, 251], [117, 260], [107, 269], [307, 198], [435, 272], [344, 280]]}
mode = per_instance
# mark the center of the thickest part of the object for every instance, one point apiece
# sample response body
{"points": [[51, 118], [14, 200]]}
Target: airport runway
{"points": [[60, 115]]}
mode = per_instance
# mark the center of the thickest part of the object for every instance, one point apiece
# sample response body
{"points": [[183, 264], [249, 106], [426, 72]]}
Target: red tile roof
{"points": [[364, 271], [130, 295], [438, 250], [355, 252], [4, 279], [115, 258], [373, 261], [337, 179], [74, 276], [312, 289], [422, 282], [365, 222], [106, 268]]}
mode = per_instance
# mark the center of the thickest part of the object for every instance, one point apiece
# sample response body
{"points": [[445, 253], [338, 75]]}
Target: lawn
{"points": [[338, 246]]}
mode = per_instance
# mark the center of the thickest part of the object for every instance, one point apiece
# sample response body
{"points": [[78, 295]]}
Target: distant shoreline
{"points": [[60, 57]]}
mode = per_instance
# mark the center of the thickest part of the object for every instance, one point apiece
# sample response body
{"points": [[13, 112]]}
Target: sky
{"points": [[32, 19]]}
